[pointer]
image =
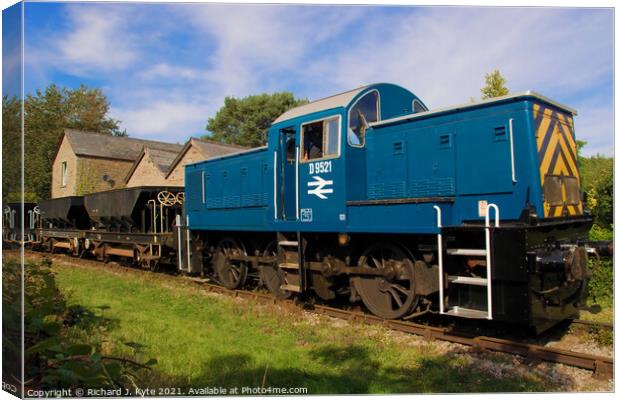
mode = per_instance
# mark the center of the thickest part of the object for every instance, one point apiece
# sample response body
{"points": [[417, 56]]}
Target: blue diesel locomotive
{"points": [[472, 211]]}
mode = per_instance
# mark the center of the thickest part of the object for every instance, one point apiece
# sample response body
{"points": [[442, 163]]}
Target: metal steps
{"points": [[466, 252], [467, 312], [464, 279], [291, 288], [289, 265], [467, 280]]}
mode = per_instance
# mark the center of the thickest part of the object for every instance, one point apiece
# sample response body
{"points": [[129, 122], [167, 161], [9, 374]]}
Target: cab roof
{"points": [[327, 103]]}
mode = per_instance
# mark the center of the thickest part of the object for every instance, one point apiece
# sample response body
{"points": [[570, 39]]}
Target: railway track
{"points": [[602, 367]]}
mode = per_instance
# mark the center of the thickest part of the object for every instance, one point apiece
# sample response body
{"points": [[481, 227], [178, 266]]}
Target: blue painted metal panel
{"points": [[235, 192], [463, 154]]}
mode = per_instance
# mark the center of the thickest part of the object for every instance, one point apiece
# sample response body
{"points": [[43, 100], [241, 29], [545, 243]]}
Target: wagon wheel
{"points": [[166, 198], [180, 198], [272, 276], [75, 247], [49, 245], [392, 295], [141, 258], [231, 273]]}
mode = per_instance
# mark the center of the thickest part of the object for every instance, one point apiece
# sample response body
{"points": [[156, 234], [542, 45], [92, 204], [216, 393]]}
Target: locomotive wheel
{"points": [[231, 274], [153, 265], [272, 276], [393, 295]]}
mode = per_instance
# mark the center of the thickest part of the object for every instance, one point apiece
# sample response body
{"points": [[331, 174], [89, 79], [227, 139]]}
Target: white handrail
{"points": [[275, 185], [440, 258], [487, 235], [188, 251], [486, 217], [512, 151], [179, 256], [297, 183], [203, 198]]}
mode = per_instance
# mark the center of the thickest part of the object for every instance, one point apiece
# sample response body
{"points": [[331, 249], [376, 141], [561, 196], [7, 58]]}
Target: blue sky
{"points": [[11, 51], [166, 68]]}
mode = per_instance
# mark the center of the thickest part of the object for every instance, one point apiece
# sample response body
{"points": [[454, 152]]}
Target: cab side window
{"points": [[418, 107], [320, 139], [364, 112]]}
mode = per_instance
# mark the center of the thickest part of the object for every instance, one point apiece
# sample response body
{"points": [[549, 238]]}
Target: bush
{"points": [[598, 233], [601, 285], [58, 355]]}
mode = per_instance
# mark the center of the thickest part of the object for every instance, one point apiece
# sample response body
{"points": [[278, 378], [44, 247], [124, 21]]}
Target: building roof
{"points": [[162, 159], [337, 100], [93, 144], [207, 148]]}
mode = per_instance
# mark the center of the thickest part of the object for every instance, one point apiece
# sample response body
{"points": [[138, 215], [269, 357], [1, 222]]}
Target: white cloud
{"points": [[443, 54], [256, 45], [163, 119], [167, 71], [223, 50], [595, 125], [98, 40]]}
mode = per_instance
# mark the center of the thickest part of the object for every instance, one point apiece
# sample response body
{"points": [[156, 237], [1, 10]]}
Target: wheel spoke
{"points": [[400, 288], [377, 263], [234, 273], [395, 297]]}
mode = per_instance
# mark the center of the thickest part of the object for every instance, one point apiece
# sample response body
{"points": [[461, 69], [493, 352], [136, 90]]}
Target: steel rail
{"points": [[601, 366]]}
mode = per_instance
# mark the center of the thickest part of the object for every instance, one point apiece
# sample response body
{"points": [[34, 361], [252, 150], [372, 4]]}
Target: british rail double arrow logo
{"points": [[320, 190]]}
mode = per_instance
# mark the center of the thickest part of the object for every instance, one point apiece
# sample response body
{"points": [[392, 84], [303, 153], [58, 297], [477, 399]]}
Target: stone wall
{"points": [[146, 174], [65, 154], [177, 176], [91, 171]]}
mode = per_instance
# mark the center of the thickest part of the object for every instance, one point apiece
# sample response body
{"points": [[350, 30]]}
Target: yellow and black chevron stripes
{"points": [[557, 156]]}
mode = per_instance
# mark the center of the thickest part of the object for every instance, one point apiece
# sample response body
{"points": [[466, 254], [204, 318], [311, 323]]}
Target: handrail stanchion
{"points": [[440, 258], [487, 234]]}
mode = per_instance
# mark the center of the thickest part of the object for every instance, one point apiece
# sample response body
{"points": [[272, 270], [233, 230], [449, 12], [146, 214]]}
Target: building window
{"points": [[321, 139], [63, 174], [364, 112]]}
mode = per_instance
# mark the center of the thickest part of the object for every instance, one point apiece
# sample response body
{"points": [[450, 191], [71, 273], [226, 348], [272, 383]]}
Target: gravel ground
{"points": [[559, 377]]}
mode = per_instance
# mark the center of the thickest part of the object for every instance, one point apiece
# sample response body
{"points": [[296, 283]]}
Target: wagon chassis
{"points": [[146, 249]]}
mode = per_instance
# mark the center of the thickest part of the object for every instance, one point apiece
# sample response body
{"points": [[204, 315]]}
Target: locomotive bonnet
{"points": [[473, 210]]}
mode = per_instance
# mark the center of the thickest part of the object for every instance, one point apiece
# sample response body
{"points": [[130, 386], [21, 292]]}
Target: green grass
{"points": [[212, 340]]}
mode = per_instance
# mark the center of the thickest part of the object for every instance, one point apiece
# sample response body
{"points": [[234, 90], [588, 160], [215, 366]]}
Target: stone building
{"points": [[196, 150], [150, 168], [87, 162]]}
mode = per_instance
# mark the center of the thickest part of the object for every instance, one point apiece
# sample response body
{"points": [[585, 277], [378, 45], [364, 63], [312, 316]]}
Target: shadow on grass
{"points": [[350, 370]]}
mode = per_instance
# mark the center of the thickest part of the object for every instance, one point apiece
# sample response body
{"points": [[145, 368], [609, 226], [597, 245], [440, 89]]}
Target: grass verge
{"points": [[205, 340]]}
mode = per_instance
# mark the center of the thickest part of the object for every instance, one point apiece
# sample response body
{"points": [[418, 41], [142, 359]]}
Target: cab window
{"points": [[320, 139], [418, 107], [364, 112]]}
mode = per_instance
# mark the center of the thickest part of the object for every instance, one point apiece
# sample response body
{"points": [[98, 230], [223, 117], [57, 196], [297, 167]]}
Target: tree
{"points": [[246, 121], [47, 114], [495, 85], [597, 181], [11, 148]]}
